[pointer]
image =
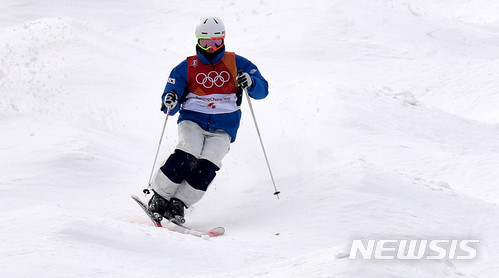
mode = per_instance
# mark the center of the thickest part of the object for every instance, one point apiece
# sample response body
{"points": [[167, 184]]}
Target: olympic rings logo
{"points": [[213, 78]]}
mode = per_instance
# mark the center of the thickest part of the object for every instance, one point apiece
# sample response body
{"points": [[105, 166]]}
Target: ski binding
{"points": [[177, 227]]}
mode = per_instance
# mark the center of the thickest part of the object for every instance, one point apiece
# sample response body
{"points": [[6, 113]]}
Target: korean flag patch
{"points": [[171, 81]]}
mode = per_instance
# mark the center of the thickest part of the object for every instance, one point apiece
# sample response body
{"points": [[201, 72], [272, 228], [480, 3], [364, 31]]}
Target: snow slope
{"points": [[381, 123]]}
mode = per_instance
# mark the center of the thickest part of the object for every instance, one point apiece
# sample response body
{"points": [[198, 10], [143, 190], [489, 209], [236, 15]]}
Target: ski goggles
{"points": [[211, 42]]}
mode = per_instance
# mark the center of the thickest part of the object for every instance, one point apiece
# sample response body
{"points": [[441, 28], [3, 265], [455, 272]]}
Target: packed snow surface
{"points": [[381, 123]]}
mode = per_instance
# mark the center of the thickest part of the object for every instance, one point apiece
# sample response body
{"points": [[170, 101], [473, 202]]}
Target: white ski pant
{"points": [[202, 144]]}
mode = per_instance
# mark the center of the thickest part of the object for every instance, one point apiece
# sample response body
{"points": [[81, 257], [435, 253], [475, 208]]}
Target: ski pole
{"points": [[276, 192], [146, 190]]}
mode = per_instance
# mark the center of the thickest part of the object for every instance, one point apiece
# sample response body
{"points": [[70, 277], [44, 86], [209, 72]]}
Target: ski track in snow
{"points": [[381, 123]]}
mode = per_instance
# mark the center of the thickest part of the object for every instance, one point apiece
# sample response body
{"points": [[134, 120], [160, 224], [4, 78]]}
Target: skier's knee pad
{"points": [[178, 166], [202, 175]]}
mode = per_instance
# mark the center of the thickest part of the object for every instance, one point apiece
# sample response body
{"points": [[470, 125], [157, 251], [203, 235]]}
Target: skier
{"points": [[206, 89]]}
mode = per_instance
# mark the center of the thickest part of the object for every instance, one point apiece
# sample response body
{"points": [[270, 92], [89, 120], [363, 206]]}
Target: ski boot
{"points": [[175, 211], [158, 206]]}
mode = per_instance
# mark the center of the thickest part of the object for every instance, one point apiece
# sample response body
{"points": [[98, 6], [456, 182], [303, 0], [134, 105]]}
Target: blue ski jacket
{"points": [[229, 122]]}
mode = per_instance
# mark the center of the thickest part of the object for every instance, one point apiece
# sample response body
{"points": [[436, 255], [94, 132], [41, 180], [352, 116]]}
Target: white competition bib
{"points": [[211, 104]]}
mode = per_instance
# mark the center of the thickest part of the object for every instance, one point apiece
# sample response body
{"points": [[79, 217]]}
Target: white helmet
{"points": [[210, 27]]}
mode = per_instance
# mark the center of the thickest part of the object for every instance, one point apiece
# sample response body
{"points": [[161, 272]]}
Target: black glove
{"points": [[170, 101], [244, 80]]}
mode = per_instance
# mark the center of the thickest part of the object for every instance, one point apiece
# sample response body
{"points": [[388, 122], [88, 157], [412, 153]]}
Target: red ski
{"points": [[178, 227]]}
